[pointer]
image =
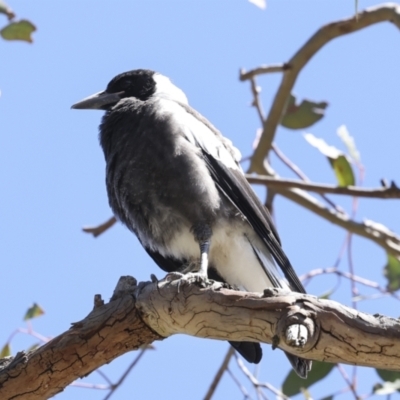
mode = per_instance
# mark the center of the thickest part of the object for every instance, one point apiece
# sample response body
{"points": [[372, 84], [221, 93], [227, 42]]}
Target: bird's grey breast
{"points": [[157, 180]]}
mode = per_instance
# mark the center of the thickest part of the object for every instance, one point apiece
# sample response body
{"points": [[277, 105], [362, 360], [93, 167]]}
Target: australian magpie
{"points": [[176, 182]]}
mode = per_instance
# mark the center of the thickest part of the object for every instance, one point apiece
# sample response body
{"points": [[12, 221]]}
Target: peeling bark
{"points": [[137, 315]]}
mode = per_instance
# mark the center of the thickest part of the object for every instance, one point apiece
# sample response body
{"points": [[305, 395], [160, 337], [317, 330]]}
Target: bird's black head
{"points": [[139, 83]]}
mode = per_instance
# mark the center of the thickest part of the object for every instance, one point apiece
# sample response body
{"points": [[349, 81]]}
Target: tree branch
{"points": [[220, 372], [376, 232], [391, 192], [368, 229], [263, 69], [99, 229], [139, 314], [387, 12]]}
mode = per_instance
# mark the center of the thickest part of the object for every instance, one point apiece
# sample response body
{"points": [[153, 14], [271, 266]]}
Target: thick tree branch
{"points": [[391, 192], [139, 314], [387, 12]]}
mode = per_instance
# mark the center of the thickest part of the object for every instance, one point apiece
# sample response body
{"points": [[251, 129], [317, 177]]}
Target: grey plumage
{"points": [[176, 182]]}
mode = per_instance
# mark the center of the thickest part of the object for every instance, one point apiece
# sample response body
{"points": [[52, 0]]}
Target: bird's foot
{"points": [[199, 278]]}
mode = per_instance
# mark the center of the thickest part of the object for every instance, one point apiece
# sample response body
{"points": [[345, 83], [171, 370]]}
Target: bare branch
{"points": [[106, 333], [351, 277], [99, 229], [387, 12], [263, 69], [257, 384], [391, 192], [290, 164], [220, 372], [140, 314], [378, 233], [114, 387]]}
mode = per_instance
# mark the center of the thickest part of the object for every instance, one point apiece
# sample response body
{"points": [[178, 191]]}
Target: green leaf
{"points": [[349, 142], [33, 312], [303, 115], [392, 272], [293, 384], [343, 171], [20, 30], [391, 382], [388, 376], [339, 162], [5, 9], [5, 351]]}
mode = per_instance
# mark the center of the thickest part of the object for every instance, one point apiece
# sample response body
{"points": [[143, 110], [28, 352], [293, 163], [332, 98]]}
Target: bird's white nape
{"points": [[165, 88]]}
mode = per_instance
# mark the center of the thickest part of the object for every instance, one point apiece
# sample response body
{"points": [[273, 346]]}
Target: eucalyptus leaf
{"points": [[303, 115], [20, 30], [392, 272], [293, 384], [33, 312], [5, 351], [337, 159]]}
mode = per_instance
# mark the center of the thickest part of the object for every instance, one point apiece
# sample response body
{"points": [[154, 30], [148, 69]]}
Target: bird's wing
{"points": [[224, 168]]}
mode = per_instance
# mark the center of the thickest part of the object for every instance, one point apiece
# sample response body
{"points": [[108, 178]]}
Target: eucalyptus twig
{"points": [[220, 372], [347, 275], [290, 164], [115, 386], [238, 384], [99, 229], [370, 16], [347, 380], [104, 376], [263, 69], [256, 99], [391, 192], [354, 290], [256, 383]]}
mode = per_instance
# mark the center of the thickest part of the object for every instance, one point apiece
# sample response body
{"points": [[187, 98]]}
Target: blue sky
{"points": [[53, 169]]}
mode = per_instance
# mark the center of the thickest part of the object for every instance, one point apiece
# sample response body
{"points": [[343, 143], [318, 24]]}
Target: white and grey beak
{"points": [[98, 101]]}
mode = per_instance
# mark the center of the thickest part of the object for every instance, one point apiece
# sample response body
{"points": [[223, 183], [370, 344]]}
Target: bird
{"points": [[176, 182]]}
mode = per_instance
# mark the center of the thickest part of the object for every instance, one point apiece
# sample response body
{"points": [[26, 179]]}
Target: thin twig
{"points": [[348, 275], [90, 385], [262, 69], [99, 229], [238, 384], [391, 192], [104, 376], [256, 383], [385, 12], [347, 380], [220, 372], [126, 373], [292, 166], [256, 99], [354, 290]]}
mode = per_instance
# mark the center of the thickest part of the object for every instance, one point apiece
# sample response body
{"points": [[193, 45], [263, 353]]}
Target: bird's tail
{"points": [[301, 366]]}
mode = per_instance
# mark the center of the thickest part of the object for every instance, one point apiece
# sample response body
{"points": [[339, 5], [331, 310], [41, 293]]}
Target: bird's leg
{"points": [[202, 234], [204, 250]]}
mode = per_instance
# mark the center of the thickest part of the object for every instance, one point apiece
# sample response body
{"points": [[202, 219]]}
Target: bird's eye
{"points": [[126, 84]]}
